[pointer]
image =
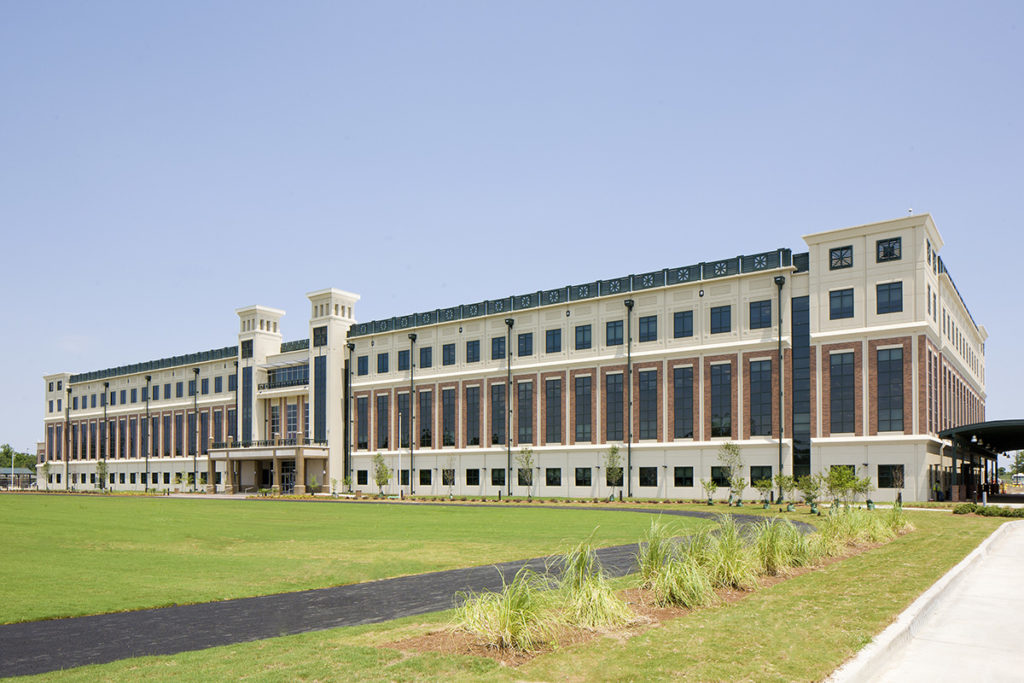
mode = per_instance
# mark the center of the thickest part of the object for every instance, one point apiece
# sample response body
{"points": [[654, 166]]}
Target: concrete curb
{"points": [[871, 661]]}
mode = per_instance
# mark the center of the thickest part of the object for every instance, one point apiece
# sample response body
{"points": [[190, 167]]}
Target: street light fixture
{"points": [[779, 282], [104, 432], [509, 322], [412, 412], [629, 393], [348, 413], [66, 439], [149, 430], [195, 428]]}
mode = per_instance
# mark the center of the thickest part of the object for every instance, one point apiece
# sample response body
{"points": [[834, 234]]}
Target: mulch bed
{"points": [[649, 615]]}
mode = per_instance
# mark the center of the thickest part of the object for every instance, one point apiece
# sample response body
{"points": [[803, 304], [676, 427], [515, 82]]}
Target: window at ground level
{"points": [[553, 476], [525, 477], [472, 477], [683, 476], [498, 477], [361, 478], [890, 476], [759, 472], [720, 475], [583, 476], [426, 477], [648, 476]]}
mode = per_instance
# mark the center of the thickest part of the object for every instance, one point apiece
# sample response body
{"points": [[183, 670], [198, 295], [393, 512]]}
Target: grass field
{"points": [[75, 555], [799, 629]]}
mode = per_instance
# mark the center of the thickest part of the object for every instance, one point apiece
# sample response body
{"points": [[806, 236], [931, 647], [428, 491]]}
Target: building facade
{"points": [[873, 355]]}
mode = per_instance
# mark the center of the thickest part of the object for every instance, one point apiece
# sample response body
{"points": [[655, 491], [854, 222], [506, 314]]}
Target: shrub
{"points": [[684, 581], [964, 509], [729, 559], [655, 551], [772, 547], [514, 618]]}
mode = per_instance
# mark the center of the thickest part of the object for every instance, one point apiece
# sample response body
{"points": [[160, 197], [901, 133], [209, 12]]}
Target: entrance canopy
{"points": [[997, 436]]}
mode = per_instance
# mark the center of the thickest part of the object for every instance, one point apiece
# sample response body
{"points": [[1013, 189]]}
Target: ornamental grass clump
{"points": [[657, 548], [683, 581], [516, 618], [730, 559], [773, 547], [897, 520], [587, 600]]}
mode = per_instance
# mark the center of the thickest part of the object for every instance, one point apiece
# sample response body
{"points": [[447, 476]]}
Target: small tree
{"points": [[613, 467], [347, 481], [709, 487], [381, 473], [898, 482], [101, 473], [840, 483], [764, 487], [809, 486], [787, 484], [448, 476], [731, 458], [334, 486], [1018, 463], [862, 486], [525, 462], [46, 474]]}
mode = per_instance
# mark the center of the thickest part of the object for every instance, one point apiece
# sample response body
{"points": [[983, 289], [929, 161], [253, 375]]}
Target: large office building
{"points": [[874, 354]]}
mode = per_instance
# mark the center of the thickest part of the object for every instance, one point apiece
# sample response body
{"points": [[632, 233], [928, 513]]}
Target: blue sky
{"points": [[166, 163]]}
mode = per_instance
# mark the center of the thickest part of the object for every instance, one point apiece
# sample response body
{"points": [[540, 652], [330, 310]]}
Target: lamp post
{"points": [[149, 430], [779, 281], [629, 390], [509, 322], [66, 439], [348, 412], [412, 411], [195, 427], [103, 433]]}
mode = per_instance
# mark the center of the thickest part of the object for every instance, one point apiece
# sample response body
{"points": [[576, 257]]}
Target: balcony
{"points": [[280, 384]]}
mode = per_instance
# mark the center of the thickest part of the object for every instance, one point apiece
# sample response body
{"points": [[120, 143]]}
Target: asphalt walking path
{"points": [[974, 628], [40, 646]]}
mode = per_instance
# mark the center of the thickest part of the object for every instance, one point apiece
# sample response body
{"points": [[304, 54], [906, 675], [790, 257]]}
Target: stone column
{"points": [[230, 485], [211, 471], [276, 488], [300, 473]]}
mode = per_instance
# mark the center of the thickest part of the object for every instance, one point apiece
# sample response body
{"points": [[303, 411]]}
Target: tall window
{"points": [[473, 416], [648, 328], [425, 419], [583, 413], [840, 304], [613, 407], [553, 341], [648, 397], [382, 422], [362, 422], [179, 433], [403, 360], [682, 324], [275, 423], [497, 348], [761, 398], [721, 319], [842, 395], [497, 413], [721, 399], [553, 410], [165, 433], [890, 297], [292, 420], [473, 351], [382, 362], [526, 344], [582, 337], [890, 390], [448, 417], [403, 419], [760, 314], [448, 354], [426, 356], [525, 411], [613, 333], [682, 388], [191, 435]]}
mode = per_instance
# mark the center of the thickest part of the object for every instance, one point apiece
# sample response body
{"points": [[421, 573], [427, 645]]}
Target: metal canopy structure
{"points": [[997, 436]]}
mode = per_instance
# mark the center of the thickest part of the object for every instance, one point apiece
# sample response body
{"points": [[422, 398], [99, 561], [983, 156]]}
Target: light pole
{"points": [[779, 281], [412, 411], [103, 432], [67, 436], [509, 322], [195, 427], [348, 413], [149, 435], [629, 393]]}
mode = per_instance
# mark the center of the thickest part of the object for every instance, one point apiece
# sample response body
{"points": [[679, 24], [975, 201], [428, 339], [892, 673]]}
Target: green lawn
{"points": [[800, 629], [74, 555]]}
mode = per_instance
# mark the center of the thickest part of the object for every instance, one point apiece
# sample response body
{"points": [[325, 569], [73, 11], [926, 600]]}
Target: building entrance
{"points": [[287, 476]]}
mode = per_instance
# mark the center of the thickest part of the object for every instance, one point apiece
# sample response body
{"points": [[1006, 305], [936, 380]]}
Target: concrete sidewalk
{"points": [[969, 625]]}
